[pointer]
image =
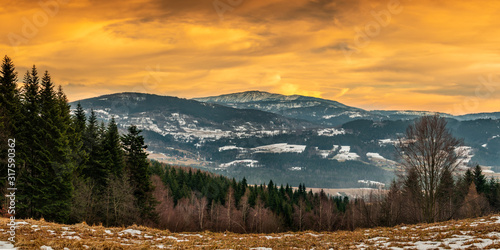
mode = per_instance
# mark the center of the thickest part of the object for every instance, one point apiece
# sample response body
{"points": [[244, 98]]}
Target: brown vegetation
{"points": [[480, 233]]}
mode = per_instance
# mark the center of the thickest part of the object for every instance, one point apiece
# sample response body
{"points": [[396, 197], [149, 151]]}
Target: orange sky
{"points": [[421, 55]]}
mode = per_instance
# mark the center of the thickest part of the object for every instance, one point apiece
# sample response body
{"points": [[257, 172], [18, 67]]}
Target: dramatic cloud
{"points": [[425, 55]]}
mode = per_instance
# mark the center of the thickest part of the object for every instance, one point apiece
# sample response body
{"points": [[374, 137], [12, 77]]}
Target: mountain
{"points": [[317, 110], [262, 136], [187, 119], [469, 117], [323, 111], [406, 114]]}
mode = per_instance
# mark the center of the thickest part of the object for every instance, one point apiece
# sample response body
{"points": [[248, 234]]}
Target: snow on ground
{"points": [[324, 153], [351, 114], [280, 148], [6, 245], [330, 132], [467, 152], [384, 142], [229, 147], [247, 163], [129, 231], [345, 154], [374, 156], [272, 148], [372, 183]]}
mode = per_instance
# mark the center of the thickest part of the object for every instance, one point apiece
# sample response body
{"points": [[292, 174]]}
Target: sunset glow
{"points": [[420, 55]]}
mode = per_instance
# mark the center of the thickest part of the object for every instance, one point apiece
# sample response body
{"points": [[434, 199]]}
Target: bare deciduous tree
{"points": [[429, 149]]}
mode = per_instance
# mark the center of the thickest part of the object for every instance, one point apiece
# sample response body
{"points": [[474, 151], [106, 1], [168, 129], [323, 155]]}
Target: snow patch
{"points": [[330, 132], [247, 163], [375, 156], [345, 154], [372, 183], [384, 142], [131, 231], [280, 148], [229, 147]]}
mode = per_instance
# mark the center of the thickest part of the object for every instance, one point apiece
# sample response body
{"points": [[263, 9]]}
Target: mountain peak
{"points": [[247, 96]]}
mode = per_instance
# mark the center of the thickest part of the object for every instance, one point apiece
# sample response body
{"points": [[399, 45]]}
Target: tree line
{"points": [[192, 200]]}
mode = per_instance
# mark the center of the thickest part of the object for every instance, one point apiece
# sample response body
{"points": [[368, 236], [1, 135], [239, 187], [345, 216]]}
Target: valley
{"points": [[290, 139]]}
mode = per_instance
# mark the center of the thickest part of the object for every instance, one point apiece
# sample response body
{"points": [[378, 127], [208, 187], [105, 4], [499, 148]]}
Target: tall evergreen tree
{"points": [[10, 113], [80, 119], [138, 166], [54, 183], [480, 180], [29, 145], [9, 95], [112, 149], [76, 132], [445, 195], [92, 143]]}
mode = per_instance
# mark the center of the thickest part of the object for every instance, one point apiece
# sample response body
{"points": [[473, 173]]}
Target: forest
{"points": [[70, 168]]}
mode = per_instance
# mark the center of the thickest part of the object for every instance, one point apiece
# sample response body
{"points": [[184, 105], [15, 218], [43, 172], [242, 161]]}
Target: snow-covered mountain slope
{"points": [[187, 119], [322, 111]]}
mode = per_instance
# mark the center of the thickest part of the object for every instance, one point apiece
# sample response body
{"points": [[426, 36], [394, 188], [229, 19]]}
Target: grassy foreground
{"points": [[479, 233]]}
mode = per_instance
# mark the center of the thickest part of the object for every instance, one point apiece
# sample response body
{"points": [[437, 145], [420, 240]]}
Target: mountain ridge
{"points": [[264, 96]]}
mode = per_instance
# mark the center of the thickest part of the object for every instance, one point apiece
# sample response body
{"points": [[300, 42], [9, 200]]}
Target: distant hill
{"points": [[322, 111], [312, 109]]}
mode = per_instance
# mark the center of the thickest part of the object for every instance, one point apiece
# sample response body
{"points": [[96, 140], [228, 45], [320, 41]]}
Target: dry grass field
{"points": [[479, 233]]}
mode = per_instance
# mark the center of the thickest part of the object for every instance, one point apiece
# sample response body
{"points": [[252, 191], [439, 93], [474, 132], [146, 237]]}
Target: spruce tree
{"points": [[75, 132], [79, 120], [138, 166], [445, 196], [93, 146], [54, 183], [29, 145], [10, 113], [479, 180], [112, 149], [9, 95]]}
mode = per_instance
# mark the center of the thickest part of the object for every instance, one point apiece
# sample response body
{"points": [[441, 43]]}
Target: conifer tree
{"points": [[10, 113], [92, 143], [112, 149], [29, 145], [54, 184], [445, 195], [138, 165], [76, 132], [9, 95], [479, 180], [80, 119]]}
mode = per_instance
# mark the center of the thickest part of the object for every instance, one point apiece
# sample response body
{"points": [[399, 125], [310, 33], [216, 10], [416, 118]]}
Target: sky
{"points": [[434, 55]]}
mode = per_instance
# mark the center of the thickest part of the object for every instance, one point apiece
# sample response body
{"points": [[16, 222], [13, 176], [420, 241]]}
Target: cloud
{"points": [[429, 56]]}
